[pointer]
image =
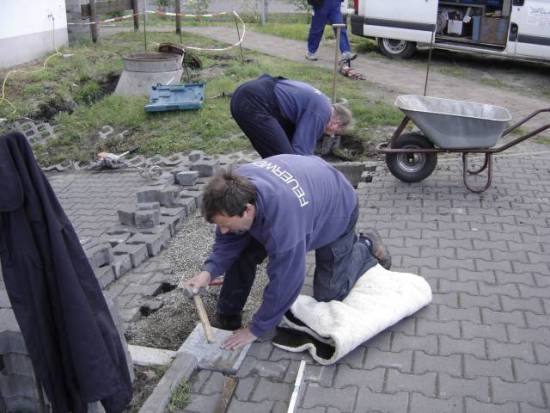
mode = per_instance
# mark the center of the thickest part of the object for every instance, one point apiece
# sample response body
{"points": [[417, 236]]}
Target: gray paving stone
{"points": [[473, 405], [530, 392], [474, 346], [448, 328], [138, 252], [475, 367], [263, 368], [245, 387], [526, 371], [105, 275], [268, 390], [424, 363], [403, 382], [399, 360], [322, 375], [372, 379], [480, 301], [370, 401], [428, 343], [237, 406], [539, 335], [515, 318], [213, 384], [458, 387], [449, 314], [147, 218], [422, 404], [342, 399]]}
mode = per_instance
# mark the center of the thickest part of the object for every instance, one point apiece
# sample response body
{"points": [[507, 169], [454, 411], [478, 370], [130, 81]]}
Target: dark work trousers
{"points": [[328, 13], [254, 108], [338, 266]]}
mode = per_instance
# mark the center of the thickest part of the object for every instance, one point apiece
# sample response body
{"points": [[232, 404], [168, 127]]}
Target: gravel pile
{"points": [[169, 326]]}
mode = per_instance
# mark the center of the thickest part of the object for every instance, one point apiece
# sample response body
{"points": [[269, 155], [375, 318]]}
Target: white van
{"points": [[518, 29]]}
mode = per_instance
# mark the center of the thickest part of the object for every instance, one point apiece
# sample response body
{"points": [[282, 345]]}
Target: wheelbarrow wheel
{"points": [[411, 167]]}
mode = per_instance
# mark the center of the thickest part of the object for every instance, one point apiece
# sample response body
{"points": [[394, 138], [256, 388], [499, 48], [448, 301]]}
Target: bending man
{"points": [[285, 116], [281, 208]]}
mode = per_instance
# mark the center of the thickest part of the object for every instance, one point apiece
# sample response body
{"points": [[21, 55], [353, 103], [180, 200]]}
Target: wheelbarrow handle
{"points": [[522, 121]]}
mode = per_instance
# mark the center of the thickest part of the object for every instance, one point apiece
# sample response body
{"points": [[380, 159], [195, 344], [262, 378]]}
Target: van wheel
{"points": [[396, 49], [411, 167]]}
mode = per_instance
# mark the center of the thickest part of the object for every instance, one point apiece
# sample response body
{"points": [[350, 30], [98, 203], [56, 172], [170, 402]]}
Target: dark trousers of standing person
{"points": [[254, 108], [338, 266], [329, 12]]}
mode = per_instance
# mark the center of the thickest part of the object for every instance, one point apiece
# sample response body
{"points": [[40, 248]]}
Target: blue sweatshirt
{"points": [[307, 108], [302, 204]]}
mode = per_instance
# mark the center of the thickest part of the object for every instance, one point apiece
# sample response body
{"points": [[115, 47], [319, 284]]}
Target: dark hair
{"points": [[227, 193]]}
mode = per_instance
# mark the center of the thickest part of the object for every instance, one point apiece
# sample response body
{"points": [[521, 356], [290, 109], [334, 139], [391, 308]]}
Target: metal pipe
{"points": [[337, 27]]}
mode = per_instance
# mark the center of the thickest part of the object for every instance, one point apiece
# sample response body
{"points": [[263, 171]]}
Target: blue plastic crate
{"points": [[175, 97]]}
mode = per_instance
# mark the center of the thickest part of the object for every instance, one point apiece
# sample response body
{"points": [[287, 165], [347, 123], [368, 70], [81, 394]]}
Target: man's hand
{"points": [[193, 285], [239, 339]]}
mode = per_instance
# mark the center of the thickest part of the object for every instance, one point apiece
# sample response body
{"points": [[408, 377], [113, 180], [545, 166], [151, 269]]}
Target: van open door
{"points": [[530, 28], [398, 24]]}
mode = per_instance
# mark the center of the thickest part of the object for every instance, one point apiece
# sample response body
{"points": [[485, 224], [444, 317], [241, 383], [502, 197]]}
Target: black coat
{"points": [[68, 330]]}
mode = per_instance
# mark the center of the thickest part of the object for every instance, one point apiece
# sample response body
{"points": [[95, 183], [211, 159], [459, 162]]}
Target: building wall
{"points": [[30, 29]]}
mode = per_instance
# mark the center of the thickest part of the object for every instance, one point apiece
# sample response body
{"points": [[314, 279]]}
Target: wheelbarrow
{"points": [[449, 126]]}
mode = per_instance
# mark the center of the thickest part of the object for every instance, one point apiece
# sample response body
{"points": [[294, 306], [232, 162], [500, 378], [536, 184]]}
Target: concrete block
{"points": [[196, 195], [4, 299], [169, 196], [146, 206], [196, 155], [126, 216], [137, 252], [205, 167], [121, 229], [154, 241], [351, 170], [181, 369], [105, 275], [148, 195], [180, 212], [186, 178], [114, 239], [171, 222], [99, 255], [147, 218], [122, 263], [190, 205], [148, 356], [210, 355]]}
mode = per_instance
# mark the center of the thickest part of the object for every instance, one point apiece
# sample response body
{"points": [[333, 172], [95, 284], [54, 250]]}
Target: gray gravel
{"points": [[169, 326]]}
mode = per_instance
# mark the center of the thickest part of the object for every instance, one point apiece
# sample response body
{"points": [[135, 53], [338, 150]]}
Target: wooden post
{"points": [[93, 20], [135, 8], [178, 18]]}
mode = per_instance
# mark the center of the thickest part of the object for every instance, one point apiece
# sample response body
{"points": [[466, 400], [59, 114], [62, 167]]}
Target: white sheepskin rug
{"points": [[330, 330]]}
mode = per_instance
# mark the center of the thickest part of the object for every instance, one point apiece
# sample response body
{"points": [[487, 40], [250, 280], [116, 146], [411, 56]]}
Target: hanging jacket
{"points": [[71, 338]]}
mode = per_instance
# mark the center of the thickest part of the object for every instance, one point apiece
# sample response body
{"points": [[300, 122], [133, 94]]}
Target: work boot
{"points": [[228, 321], [372, 239], [349, 56], [311, 56]]}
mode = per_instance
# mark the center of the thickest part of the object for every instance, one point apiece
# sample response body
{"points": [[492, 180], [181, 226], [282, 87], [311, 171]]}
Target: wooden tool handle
{"points": [[204, 318]]}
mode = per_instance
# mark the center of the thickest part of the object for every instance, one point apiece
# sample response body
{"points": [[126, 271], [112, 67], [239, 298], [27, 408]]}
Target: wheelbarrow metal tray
{"points": [[455, 124], [175, 97]]}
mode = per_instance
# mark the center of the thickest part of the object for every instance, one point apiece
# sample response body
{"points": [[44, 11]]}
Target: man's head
{"points": [[229, 201], [340, 119]]}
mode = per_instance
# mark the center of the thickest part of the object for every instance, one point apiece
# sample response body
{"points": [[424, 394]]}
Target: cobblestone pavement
{"points": [[482, 345], [91, 200]]}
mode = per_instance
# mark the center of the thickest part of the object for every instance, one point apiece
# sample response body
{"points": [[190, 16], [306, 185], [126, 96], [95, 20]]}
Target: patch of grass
{"points": [[180, 397], [77, 102]]}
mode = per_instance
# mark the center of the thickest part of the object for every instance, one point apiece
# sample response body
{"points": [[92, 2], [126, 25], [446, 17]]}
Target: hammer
{"points": [[202, 313]]}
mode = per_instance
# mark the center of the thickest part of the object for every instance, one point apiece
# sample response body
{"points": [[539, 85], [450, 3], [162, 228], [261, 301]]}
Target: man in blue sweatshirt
{"points": [[281, 208], [285, 116]]}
